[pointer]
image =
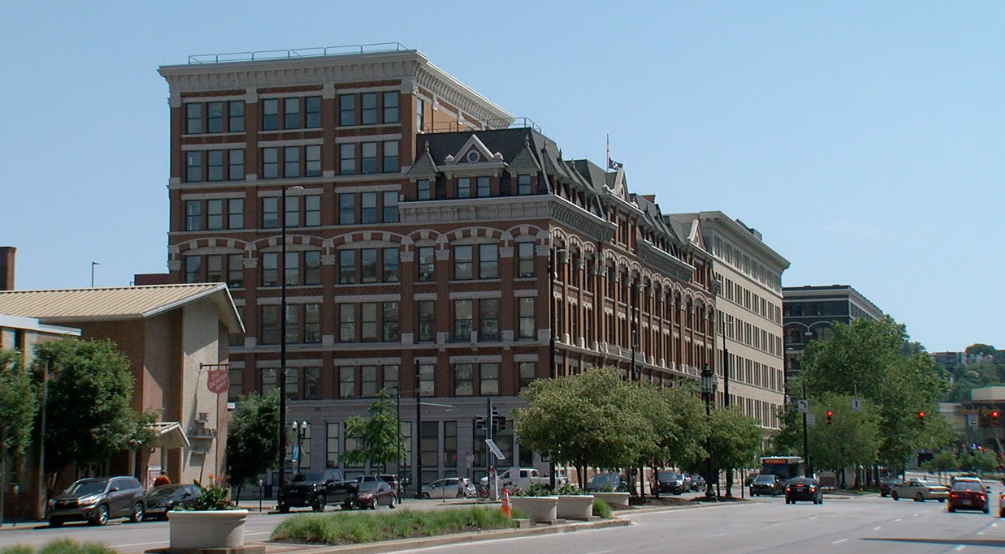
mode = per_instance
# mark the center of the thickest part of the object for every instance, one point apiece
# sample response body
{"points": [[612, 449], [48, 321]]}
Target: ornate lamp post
{"points": [[707, 390], [299, 433]]}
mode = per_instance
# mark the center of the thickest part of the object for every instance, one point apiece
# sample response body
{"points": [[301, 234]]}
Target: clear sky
{"points": [[865, 140]]}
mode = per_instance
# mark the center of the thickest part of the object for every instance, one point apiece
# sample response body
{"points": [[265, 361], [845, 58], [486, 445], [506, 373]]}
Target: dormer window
{"points": [[474, 156]]}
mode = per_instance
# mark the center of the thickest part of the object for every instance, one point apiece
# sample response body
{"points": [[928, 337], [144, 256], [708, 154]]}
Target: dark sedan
{"points": [[376, 493], [163, 499], [670, 482], [766, 483], [803, 488], [886, 483], [968, 495]]}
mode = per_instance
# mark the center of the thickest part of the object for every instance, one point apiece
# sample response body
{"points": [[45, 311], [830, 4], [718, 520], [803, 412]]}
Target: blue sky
{"points": [[863, 139]]}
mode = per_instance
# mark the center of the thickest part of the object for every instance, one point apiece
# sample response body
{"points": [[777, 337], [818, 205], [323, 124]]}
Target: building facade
{"points": [[810, 311], [748, 300], [435, 248]]}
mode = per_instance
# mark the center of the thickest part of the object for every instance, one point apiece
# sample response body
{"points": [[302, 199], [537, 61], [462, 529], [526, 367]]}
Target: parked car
{"points": [[371, 494], [697, 482], [99, 499], [601, 482], [919, 490], [451, 487], [1001, 503], [968, 494], [163, 499], [670, 482], [885, 483], [316, 489], [766, 483], [803, 488]]}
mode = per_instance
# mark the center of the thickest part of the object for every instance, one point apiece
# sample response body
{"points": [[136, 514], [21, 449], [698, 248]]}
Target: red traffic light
{"points": [[921, 418], [994, 414], [830, 417]]}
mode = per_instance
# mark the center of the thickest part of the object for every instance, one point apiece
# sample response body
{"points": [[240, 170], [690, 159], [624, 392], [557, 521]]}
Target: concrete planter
{"points": [[209, 529], [614, 499], [578, 506], [537, 508]]}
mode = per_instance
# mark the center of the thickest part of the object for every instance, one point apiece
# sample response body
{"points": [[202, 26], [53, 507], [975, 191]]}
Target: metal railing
{"points": [[461, 126], [298, 53]]}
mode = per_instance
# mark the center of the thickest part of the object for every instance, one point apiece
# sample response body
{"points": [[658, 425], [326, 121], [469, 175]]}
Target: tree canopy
{"points": [[378, 438], [18, 402], [253, 438]]}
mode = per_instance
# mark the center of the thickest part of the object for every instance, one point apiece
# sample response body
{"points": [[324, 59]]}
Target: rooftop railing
{"points": [[462, 126], [298, 53]]}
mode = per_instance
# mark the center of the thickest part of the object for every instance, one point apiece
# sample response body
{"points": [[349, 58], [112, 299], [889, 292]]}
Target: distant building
{"points": [[810, 311], [748, 302]]}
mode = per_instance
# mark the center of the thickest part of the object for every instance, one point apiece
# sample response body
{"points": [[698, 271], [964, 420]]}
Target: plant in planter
{"points": [[212, 497], [573, 503], [537, 502], [211, 521]]}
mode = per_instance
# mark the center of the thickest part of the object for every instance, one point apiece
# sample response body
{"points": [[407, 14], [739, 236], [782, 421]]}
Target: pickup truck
{"points": [[317, 489], [521, 478]]}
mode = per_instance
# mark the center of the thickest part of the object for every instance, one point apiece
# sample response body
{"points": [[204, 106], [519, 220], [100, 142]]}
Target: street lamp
{"points": [[707, 389], [299, 432], [282, 333]]}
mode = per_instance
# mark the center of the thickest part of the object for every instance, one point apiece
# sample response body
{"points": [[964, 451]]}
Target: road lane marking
{"points": [[813, 517], [898, 519], [600, 552], [980, 532], [839, 541], [877, 528], [960, 547]]}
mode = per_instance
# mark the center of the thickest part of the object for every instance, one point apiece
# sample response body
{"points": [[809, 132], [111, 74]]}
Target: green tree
{"points": [[941, 462], [88, 414], [978, 461], [978, 348], [735, 439], [253, 438], [18, 402], [378, 438], [851, 439], [677, 418]]}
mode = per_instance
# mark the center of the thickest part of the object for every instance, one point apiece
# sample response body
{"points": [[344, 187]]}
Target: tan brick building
{"points": [[433, 243]]}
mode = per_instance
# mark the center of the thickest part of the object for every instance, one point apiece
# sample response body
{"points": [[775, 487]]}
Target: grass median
{"points": [[60, 546]]}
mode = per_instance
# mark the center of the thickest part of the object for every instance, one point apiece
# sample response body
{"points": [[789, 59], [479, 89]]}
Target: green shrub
{"points": [[17, 549], [601, 509], [570, 489], [339, 528], [61, 546]]}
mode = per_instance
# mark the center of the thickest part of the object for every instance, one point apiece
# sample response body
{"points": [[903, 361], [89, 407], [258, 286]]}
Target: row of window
{"points": [[734, 328], [755, 373], [750, 300], [300, 211], [368, 108], [290, 162], [470, 187]]}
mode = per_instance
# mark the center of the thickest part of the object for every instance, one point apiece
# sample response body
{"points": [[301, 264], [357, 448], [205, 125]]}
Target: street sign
{"points": [[856, 404], [972, 420], [803, 405], [495, 449], [217, 381], [811, 418]]}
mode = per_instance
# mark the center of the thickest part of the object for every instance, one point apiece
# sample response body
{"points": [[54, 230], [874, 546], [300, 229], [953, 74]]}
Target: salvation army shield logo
{"points": [[218, 381]]}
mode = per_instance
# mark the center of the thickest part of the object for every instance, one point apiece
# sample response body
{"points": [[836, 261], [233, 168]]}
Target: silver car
{"points": [[451, 487]]}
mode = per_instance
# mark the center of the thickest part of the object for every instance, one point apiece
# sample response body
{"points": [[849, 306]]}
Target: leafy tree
{"points": [[88, 414], [18, 402], [735, 439], [253, 438], [978, 461], [378, 439], [851, 439], [978, 348], [678, 422], [941, 462]]}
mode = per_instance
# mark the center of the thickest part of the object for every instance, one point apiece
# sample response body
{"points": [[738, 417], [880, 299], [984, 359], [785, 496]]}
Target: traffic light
{"points": [[921, 419], [994, 418], [830, 417], [479, 422]]}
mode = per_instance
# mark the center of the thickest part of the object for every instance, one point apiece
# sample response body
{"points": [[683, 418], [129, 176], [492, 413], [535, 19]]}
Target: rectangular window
{"points": [[235, 271], [463, 380], [368, 380], [346, 382], [193, 215], [526, 327], [193, 167], [368, 108], [368, 321], [368, 158], [291, 268], [291, 215], [214, 117], [332, 443], [526, 375], [463, 188], [389, 265], [390, 107], [389, 322], [347, 159], [525, 259], [270, 114], [346, 110], [236, 379], [270, 269], [346, 209], [488, 379], [312, 267], [483, 187], [235, 213], [488, 319], [463, 320], [291, 113], [488, 261], [291, 161], [214, 165], [270, 324], [419, 119], [214, 215], [523, 185], [313, 161], [346, 267], [462, 263], [389, 206], [427, 263], [268, 380], [423, 191], [235, 115], [270, 163], [312, 388], [368, 265], [235, 165], [389, 163], [193, 118], [312, 210], [347, 323], [192, 268], [426, 383], [368, 207], [292, 326], [390, 375], [312, 112], [427, 320]]}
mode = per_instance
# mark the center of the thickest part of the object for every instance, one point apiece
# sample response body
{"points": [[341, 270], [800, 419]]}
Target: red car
{"points": [[968, 495], [376, 493]]}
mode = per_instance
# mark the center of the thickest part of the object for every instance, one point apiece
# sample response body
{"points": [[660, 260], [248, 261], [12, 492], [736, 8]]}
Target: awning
{"points": [[169, 436]]}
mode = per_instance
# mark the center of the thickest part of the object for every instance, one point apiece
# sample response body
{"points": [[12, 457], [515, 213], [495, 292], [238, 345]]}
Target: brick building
{"points": [[434, 244]]}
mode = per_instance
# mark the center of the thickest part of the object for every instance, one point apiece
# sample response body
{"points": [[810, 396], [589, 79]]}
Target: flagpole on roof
{"points": [[608, 153]]}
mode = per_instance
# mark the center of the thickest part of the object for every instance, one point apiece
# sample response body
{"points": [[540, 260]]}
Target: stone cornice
{"points": [[663, 262]]}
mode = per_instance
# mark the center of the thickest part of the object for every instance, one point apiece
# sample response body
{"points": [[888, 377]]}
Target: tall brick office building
{"points": [[434, 242]]}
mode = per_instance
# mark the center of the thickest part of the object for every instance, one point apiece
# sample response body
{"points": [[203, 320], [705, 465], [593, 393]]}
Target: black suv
{"points": [[315, 489], [766, 483], [98, 500], [670, 482]]}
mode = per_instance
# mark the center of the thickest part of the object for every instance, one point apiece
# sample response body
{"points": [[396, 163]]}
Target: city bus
{"points": [[784, 467]]}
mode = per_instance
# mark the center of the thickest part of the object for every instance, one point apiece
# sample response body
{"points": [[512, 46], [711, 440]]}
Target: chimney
{"points": [[7, 267]]}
